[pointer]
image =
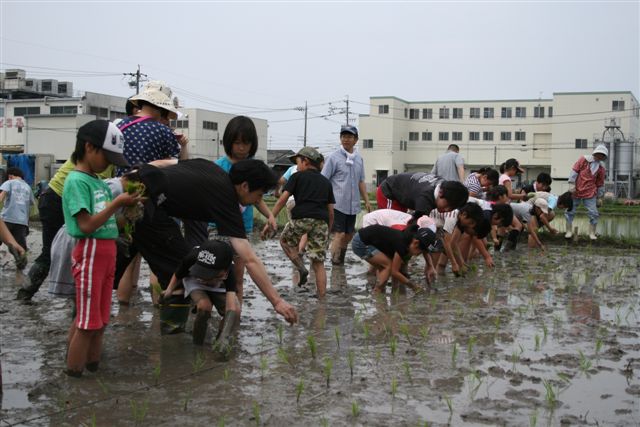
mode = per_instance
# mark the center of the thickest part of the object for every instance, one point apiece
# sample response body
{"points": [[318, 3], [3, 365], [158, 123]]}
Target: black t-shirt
{"points": [[387, 240], [413, 190], [202, 191], [313, 192], [188, 261]]}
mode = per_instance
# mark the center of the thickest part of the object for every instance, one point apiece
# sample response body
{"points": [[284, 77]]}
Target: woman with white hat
{"points": [[586, 183]]}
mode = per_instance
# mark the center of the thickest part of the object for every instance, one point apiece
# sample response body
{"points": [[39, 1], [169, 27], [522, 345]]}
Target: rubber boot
{"points": [[343, 254], [225, 336], [302, 270], [592, 232], [200, 326], [569, 233], [37, 274], [511, 241]]}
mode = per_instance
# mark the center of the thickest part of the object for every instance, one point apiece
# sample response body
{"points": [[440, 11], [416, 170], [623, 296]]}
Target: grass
{"points": [[449, 403], [256, 413], [328, 367], [157, 370], [198, 363], [139, 411], [407, 371], [394, 387], [355, 409], [471, 344], [337, 334], [313, 347], [454, 354], [280, 333], [537, 342], [551, 394], [585, 362], [299, 390], [393, 345]]}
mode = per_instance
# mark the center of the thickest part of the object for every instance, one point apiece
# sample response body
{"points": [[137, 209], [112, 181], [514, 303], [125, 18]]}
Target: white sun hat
{"points": [[602, 150], [159, 94]]}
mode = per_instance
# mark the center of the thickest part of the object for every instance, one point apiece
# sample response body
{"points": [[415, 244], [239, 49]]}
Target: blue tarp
{"points": [[26, 162]]}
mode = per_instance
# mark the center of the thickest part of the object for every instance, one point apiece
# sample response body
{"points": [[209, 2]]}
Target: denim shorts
{"points": [[363, 251]]}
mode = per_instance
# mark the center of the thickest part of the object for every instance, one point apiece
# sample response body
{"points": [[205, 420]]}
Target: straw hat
{"points": [[159, 94]]}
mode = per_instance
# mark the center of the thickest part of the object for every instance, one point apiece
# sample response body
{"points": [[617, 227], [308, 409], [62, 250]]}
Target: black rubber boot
{"points": [[512, 240], [92, 366], [37, 274], [224, 339], [200, 327]]}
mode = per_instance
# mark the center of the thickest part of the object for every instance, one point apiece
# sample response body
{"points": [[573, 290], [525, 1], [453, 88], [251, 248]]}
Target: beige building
{"points": [[543, 134]]}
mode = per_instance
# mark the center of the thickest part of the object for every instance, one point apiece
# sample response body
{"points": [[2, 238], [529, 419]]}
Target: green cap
{"points": [[310, 153]]}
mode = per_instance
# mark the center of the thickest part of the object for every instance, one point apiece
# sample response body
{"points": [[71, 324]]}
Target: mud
{"points": [[543, 340]]}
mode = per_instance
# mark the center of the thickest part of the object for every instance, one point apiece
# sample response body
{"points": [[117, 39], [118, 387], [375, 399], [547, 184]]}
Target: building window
{"points": [[406, 112], [182, 124], [474, 113], [1, 112], [62, 88], [581, 144], [414, 114], [383, 109], [456, 136], [506, 113], [505, 136], [521, 136], [117, 115], [403, 145], [26, 111], [538, 112], [550, 111], [414, 136], [521, 112], [474, 136], [426, 136], [65, 109], [444, 113], [367, 143], [457, 113], [100, 113], [488, 112], [427, 113], [617, 106], [443, 136], [487, 136], [46, 86], [209, 125]]}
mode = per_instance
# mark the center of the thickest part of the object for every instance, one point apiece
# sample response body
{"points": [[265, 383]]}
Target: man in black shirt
{"points": [[421, 192], [199, 190]]}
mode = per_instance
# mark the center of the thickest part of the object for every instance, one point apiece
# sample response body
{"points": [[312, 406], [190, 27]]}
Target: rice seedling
{"points": [[282, 355], [221, 422], [551, 394], [433, 302], [280, 333], [449, 403], [365, 331], [337, 334], [407, 371], [355, 409], [156, 373], [139, 411], [263, 367], [198, 362], [598, 345], [424, 333], [585, 363], [186, 400], [351, 355], [328, 366], [313, 347], [256, 412], [324, 422], [515, 357], [393, 345], [496, 323], [103, 386], [423, 357], [474, 382], [454, 354], [299, 390], [394, 387], [537, 342], [533, 419], [93, 422], [404, 330], [378, 356], [225, 375], [545, 331], [470, 344]]}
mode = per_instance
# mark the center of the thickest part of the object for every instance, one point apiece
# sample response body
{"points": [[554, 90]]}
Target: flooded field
{"points": [[543, 340]]}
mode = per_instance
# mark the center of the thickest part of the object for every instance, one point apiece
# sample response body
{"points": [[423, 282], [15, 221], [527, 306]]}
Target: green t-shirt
{"points": [[86, 192], [57, 182]]}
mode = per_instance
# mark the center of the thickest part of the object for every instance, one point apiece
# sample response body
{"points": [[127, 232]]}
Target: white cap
{"points": [[602, 150]]}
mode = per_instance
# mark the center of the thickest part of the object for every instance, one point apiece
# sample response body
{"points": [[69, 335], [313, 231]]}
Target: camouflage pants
{"points": [[317, 232]]}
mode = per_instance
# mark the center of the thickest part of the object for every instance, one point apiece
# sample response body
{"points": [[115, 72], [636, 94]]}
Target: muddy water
{"points": [[542, 340]]}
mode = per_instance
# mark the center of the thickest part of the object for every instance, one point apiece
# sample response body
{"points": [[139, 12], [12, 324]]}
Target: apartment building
{"points": [[543, 134]]}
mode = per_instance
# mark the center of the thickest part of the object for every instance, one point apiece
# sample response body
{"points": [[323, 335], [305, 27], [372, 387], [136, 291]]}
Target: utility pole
{"points": [[136, 79], [495, 156], [347, 109], [304, 141]]}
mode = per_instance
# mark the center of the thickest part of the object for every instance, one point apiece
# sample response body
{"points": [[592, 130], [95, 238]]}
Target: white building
{"points": [[543, 134]]}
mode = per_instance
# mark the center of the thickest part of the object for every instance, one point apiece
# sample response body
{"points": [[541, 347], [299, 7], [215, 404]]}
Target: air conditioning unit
{"points": [[49, 86], [65, 88], [33, 85], [15, 74]]}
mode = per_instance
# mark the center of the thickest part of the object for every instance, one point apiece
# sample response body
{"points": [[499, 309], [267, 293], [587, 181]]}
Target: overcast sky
{"points": [[254, 57]]}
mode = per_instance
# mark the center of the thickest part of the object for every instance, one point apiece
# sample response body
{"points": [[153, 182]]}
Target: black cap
{"points": [[426, 237], [212, 257], [106, 135]]}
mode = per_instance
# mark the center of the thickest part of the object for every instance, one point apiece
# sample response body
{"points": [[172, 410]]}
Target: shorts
{"points": [[94, 266], [317, 232], [343, 223], [19, 233], [363, 251], [384, 203], [218, 299]]}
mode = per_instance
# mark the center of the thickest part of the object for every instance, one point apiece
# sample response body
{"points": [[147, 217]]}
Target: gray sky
{"points": [[252, 57]]}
